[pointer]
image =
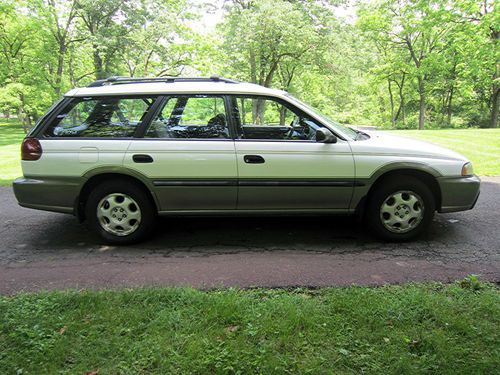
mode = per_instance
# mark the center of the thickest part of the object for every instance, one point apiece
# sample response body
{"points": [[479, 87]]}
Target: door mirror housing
{"points": [[324, 135]]}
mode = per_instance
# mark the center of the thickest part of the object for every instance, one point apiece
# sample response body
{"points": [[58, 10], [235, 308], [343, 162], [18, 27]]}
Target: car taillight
{"points": [[31, 149]]}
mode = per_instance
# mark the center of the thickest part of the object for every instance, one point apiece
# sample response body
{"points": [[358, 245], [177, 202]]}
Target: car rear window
{"points": [[100, 117]]}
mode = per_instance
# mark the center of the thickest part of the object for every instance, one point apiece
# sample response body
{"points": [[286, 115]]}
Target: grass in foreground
{"points": [[481, 146], [430, 328], [11, 135]]}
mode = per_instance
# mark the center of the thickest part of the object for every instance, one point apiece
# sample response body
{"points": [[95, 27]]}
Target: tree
{"points": [[479, 36], [415, 29], [105, 24], [162, 42], [261, 35], [23, 89], [403, 63], [58, 17]]}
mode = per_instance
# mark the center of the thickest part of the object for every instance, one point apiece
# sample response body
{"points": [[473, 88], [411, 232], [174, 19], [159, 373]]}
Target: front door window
{"points": [[271, 119]]}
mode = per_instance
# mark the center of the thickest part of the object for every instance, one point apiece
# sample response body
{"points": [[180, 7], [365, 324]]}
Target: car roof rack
{"points": [[122, 80]]}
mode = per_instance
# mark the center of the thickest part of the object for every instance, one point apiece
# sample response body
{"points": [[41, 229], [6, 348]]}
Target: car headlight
{"points": [[467, 169]]}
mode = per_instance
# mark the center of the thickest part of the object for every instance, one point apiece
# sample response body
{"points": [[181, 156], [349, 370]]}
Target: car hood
{"points": [[384, 143]]}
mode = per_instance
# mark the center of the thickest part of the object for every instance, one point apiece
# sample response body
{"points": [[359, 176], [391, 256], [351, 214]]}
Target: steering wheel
{"points": [[295, 122]]}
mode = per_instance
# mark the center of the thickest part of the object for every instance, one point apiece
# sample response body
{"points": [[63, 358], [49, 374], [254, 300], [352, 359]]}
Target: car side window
{"points": [[192, 117], [267, 118], [100, 117]]}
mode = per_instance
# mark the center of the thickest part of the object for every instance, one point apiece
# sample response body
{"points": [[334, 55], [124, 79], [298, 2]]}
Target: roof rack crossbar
{"points": [[121, 80]]}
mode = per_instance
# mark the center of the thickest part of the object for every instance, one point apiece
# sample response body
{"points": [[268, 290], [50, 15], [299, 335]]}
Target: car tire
{"points": [[120, 211], [400, 208]]}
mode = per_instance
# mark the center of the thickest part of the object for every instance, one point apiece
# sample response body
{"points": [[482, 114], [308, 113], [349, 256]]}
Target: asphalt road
{"points": [[41, 250]]}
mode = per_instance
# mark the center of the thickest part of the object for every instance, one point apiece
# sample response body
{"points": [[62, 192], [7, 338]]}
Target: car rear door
{"points": [[281, 166], [188, 154]]}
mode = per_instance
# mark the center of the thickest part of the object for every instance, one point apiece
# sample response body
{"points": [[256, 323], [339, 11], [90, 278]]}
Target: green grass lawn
{"points": [[11, 135], [481, 146], [425, 328]]}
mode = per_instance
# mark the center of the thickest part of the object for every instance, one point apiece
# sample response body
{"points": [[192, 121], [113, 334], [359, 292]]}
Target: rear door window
{"points": [[101, 117], [192, 117]]}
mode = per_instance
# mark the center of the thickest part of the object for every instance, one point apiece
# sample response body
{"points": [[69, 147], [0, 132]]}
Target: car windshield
{"points": [[343, 130]]}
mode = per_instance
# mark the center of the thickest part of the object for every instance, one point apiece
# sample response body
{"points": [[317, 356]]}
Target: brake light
{"points": [[31, 149]]}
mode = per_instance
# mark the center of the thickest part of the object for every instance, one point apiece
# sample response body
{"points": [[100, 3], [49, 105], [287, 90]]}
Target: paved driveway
{"points": [[47, 250]]}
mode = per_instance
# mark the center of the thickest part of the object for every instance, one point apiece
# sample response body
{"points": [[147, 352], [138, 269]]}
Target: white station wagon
{"points": [[124, 150]]}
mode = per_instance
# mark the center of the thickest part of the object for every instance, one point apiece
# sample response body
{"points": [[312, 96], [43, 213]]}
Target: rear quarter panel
{"points": [[74, 157]]}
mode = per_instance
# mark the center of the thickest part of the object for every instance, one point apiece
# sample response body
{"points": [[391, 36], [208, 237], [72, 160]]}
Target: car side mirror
{"points": [[324, 135]]}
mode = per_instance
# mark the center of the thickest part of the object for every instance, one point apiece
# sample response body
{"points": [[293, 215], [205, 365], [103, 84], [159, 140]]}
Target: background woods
{"points": [[398, 63]]}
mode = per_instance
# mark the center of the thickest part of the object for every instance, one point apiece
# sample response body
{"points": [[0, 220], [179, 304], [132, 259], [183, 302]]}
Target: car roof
{"points": [[165, 87]]}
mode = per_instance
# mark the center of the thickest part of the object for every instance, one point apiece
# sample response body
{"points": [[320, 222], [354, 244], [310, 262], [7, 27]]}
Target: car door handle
{"points": [[253, 159], [142, 158]]}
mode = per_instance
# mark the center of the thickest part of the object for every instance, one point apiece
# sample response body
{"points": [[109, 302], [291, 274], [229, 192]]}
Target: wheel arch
{"points": [[424, 173], [95, 177]]}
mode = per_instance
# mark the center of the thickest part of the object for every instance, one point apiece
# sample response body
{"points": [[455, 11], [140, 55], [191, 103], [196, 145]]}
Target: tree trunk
{"points": [[403, 112], [400, 110], [71, 69], [495, 99], [60, 67], [253, 78], [422, 104], [495, 107], [391, 101], [253, 67], [282, 115], [258, 107], [24, 120], [243, 115], [401, 107], [28, 125], [98, 64], [495, 92], [449, 105]]}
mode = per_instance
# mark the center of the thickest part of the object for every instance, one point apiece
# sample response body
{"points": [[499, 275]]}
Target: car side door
{"points": [[281, 166], [188, 154]]}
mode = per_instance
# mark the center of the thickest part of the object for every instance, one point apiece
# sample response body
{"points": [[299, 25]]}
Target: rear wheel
{"points": [[400, 208], [120, 212]]}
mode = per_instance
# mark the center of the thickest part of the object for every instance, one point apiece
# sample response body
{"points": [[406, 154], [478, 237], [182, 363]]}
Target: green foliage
{"points": [[399, 64], [262, 37], [440, 57], [395, 329], [471, 282], [49, 46]]}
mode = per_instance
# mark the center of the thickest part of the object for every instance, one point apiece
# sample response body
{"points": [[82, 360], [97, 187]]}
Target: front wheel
{"points": [[400, 209], [120, 212]]}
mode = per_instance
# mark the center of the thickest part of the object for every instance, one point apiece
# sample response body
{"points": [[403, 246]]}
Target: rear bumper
{"points": [[55, 194], [458, 193]]}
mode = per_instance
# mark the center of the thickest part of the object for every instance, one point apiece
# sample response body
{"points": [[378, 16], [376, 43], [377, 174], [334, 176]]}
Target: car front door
{"points": [[280, 164], [188, 154]]}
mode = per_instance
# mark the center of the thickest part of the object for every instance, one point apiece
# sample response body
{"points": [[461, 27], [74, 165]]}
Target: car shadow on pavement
{"points": [[204, 236]]}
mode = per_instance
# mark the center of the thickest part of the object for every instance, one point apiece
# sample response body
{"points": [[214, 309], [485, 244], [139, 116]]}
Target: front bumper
{"points": [[458, 193], [54, 194]]}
